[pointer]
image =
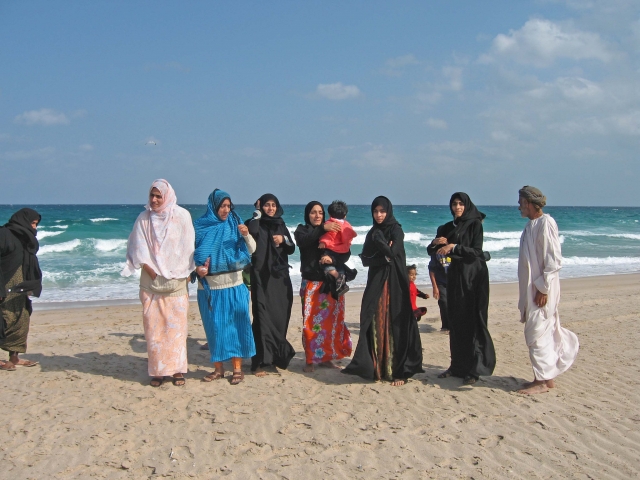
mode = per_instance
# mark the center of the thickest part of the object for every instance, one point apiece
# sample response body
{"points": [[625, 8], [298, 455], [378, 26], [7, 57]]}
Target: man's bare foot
{"points": [[550, 383], [308, 368], [259, 372], [539, 386], [329, 364], [398, 382]]}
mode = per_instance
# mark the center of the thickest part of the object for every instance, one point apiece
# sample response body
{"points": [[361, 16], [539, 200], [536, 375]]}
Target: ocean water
{"points": [[83, 247]]}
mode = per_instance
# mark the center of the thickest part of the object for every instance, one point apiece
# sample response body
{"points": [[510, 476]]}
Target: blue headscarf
{"points": [[220, 239]]}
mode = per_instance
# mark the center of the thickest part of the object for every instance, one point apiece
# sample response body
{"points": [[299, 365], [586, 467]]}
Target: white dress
{"points": [[552, 348]]}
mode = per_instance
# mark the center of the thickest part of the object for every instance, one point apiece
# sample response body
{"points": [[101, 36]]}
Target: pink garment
{"points": [[162, 238], [339, 242], [165, 329]]}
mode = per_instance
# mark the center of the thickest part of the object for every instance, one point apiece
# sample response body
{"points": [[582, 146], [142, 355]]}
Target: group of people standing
{"points": [[217, 249]]}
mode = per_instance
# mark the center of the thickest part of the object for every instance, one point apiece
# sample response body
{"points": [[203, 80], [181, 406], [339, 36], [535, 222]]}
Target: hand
{"points": [[322, 245], [332, 227], [244, 231], [278, 239], [390, 243], [325, 260], [150, 271], [440, 241], [204, 269], [541, 299], [257, 204], [436, 293], [446, 250], [423, 295]]}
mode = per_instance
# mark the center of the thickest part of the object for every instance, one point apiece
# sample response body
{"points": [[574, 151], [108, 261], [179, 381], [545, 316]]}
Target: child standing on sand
{"points": [[414, 293], [337, 246]]}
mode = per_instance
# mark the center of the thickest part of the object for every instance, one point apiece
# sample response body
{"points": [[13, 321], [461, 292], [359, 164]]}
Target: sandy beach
{"points": [[87, 410]]}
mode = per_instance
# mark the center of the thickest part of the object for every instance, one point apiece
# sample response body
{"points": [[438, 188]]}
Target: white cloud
{"points": [[430, 98], [454, 75], [436, 123], [44, 116], [402, 61], [541, 42], [628, 123], [85, 147], [337, 91]]}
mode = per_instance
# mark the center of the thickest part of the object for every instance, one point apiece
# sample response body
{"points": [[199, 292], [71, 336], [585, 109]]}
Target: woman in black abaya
{"points": [[472, 351], [389, 345], [271, 290], [20, 277]]}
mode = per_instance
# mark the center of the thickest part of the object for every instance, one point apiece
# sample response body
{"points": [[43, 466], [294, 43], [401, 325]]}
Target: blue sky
{"points": [[413, 100]]}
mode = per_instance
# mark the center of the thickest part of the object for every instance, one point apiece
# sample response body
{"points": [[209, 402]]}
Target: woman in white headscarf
{"points": [[162, 244]]}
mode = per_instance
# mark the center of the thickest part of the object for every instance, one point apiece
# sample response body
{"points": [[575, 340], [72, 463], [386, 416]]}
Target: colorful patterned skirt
{"points": [[325, 336]]}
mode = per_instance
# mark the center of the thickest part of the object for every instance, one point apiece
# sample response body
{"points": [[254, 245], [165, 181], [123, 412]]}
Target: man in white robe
{"points": [[552, 349]]}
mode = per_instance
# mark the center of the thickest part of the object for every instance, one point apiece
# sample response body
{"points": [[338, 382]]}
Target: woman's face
{"points": [[224, 209], [34, 224], [270, 208], [316, 216], [155, 198], [457, 207], [379, 214]]}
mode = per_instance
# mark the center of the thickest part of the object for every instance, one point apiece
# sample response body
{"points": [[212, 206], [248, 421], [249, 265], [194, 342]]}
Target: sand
{"points": [[87, 411]]}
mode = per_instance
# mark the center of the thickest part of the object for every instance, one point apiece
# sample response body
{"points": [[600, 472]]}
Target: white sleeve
{"points": [[251, 243], [551, 255]]}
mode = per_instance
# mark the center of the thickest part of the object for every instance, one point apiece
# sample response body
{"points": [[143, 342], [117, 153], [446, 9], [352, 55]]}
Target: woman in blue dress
{"points": [[223, 249]]}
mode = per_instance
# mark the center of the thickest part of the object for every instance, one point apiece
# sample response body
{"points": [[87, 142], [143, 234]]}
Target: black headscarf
{"points": [[277, 217], [307, 211], [20, 225], [470, 214], [369, 249]]}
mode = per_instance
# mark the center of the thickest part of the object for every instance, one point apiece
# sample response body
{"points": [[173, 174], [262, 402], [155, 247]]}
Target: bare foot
{"points": [[329, 364], [550, 383], [260, 373], [539, 386], [308, 368], [398, 382]]}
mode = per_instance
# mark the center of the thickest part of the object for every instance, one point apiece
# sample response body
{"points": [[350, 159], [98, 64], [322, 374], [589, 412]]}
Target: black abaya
{"points": [[387, 266], [472, 350], [271, 291]]}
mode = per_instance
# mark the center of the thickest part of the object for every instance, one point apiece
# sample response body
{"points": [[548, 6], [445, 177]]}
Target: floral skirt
{"points": [[325, 336]]}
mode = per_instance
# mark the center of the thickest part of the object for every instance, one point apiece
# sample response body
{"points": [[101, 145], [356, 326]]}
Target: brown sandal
{"points": [[237, 378], [157, 381], [213, 376]]}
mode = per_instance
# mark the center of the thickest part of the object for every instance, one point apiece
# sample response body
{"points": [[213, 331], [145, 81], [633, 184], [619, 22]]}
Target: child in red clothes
{"points": [[418, 312], [337, 246]]}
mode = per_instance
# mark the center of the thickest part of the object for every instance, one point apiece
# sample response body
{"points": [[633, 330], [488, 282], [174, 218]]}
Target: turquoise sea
{"points": [[83, 247]]}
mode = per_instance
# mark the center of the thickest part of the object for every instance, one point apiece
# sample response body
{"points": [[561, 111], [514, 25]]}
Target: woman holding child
{"points": [[162, 244], [271, 289], [325, 336], [472, 351], [389, 346], [223, 249]]}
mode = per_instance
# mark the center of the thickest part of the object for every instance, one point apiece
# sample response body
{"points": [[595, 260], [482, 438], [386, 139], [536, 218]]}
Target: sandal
{"points": [[445, 374], [7, 366], [213, 376], [178, 381], [469, 380], [157, 381], [25, 363], [237, 378]]}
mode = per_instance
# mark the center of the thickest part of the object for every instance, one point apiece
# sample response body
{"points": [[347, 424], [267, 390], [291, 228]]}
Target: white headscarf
{"points": [[162, 237]]}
